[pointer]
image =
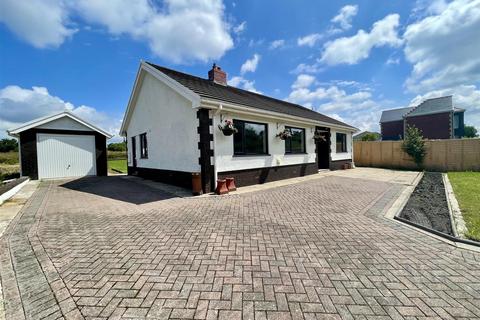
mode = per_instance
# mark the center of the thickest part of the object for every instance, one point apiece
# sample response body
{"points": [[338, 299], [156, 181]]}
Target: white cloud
{"points": [[250, 65], [307, 68], [357, 108], [393, 61], [42, 23], [351, 50], [444, 48], [240, 28], [464, 96], [276, 44], [243, 83], [303, 81], [309, 40], [345, 15], [19, 105]]}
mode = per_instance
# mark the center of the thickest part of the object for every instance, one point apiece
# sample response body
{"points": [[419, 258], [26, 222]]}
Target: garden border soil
{"points": [[450, 237], [428, 205]]}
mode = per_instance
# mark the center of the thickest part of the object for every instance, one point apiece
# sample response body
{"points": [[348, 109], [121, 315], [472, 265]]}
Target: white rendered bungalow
{"points": [[172, 129]]}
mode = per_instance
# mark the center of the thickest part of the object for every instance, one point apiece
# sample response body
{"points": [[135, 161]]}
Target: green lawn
{"points": [[117, 166], [466, 186]]}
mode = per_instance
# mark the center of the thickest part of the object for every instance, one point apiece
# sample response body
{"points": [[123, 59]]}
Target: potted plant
{"points": [[285, 134], [228, 129]]}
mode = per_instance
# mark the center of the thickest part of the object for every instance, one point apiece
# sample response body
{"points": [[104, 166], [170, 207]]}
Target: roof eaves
{"points": [[40, 121]]}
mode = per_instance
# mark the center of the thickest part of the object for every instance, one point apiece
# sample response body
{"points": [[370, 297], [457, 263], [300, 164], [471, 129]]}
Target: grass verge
{"points": [[466, 186], [9, 158], [117, 166]]}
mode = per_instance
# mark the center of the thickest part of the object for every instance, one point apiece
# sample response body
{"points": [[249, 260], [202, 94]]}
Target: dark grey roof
{"points": [[394, 114], [433, 105], [211, 90], [429, 106]]}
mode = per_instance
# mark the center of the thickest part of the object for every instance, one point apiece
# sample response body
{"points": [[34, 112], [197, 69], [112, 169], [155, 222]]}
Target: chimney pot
{"points": [[217, 75]]}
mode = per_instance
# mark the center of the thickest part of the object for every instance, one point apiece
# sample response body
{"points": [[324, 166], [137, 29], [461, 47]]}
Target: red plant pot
{"points": [[221, 187], [231, 184]]}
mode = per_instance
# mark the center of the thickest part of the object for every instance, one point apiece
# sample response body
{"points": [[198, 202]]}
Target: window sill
{"points": [[295, 153], [251, 155]]}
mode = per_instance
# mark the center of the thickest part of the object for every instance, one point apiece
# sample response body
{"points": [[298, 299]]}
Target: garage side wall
{"points": [[28, 151], [28, 147]]}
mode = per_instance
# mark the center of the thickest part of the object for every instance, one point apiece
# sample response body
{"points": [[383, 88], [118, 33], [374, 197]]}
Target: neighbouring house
{"points": [[437, 118], [172, 129], [61, 146], [360, 136]]}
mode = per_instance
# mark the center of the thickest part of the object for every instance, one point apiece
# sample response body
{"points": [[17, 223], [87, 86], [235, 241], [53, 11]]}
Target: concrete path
{"points": [[101, 248]]}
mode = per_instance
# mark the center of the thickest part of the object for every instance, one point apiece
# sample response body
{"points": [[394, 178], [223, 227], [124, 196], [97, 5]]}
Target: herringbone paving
{"points": [[315, 250]]}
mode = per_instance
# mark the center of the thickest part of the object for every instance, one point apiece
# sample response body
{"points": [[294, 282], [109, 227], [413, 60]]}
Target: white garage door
{"points": [[63, 155]]}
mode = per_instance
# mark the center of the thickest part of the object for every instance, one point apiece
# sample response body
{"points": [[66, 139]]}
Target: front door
{"points": [[134, 152], [323, 147]]}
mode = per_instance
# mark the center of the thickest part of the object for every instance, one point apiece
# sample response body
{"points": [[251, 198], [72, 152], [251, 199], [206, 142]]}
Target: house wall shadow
{"points": [[118, 188]]}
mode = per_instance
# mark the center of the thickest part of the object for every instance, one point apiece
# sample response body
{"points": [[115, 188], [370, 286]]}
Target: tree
{"points": [[371, 136], [7, 145], [414, 145], [119, 146], [470, 132]]}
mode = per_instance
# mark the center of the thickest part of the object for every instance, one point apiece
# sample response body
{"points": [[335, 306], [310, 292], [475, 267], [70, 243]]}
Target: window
{"points": [[341, 142], [250, 139], [143, 146], [456, 121], [295, 144]]}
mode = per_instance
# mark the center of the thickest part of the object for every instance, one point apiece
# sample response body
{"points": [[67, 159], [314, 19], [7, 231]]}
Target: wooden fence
{"points": [[442, 155]]}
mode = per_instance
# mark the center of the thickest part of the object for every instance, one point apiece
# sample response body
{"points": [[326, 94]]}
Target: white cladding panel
{"points": [[65, 123], [170, 124], [61, 155]]}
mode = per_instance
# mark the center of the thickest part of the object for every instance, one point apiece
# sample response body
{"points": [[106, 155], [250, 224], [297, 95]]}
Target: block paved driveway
{"points": [[101, 248]]}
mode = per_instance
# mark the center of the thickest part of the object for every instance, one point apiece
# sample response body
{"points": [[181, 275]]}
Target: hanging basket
{"points": [[285, 134], [227, 129]]}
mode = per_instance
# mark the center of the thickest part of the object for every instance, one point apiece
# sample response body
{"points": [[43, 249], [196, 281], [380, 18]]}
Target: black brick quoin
{"points": [[206, 167]]}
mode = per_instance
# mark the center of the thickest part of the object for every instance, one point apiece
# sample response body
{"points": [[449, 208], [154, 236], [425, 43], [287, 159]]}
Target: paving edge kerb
{"points": [[458, 224], [51, 281], [394, 211]]}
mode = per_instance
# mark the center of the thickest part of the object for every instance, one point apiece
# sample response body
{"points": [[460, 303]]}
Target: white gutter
{"points": [[217, 105]]}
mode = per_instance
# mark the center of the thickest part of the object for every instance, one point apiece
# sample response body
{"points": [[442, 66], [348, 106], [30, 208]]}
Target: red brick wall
{"points": [[392, 130], [433, 126]]}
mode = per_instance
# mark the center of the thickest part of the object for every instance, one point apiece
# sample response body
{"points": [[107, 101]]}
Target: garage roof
{"points": [[41, 121]]}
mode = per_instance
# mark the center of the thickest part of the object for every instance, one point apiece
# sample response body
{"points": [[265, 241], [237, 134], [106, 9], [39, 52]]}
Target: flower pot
{"points": [[228, 132], [221, 187], [231, 184]]}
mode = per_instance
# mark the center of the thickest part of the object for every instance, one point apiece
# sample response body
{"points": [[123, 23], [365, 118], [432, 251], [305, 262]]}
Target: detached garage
{"points": [[61, 146]]}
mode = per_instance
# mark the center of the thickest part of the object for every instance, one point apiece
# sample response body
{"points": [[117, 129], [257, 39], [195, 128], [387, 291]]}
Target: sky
{"points": [[347, 59]]}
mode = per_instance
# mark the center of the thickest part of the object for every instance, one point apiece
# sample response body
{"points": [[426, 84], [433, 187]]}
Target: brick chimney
{"points": [[217, 75]]}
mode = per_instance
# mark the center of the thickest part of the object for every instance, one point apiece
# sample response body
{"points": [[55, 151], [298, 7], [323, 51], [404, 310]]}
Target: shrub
{"points": [[470, 132], [371, 136], [7, 145], [414, 145], [119, 146]]}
